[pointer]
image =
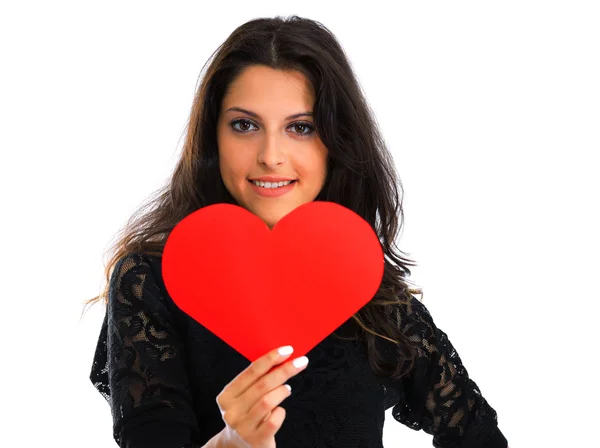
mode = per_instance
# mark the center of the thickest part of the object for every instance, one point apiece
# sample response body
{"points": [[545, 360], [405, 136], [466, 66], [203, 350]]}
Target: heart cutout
{"points": [[258, 289]]}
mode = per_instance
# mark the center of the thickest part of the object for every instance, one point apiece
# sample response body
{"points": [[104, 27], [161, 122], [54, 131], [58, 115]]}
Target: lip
{"points": [[271, 179], [272, 192]]}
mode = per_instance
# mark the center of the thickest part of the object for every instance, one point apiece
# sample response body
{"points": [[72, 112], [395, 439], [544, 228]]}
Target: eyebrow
{"points": [[255, 115]]}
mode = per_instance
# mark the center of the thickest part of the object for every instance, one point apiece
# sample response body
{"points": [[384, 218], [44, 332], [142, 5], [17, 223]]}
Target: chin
{"points": [[271, 214], [272, 219], [270, 222]]}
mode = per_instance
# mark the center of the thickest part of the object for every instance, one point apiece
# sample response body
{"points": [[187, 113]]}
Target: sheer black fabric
{"points": [[438, 396], [161, 371]]}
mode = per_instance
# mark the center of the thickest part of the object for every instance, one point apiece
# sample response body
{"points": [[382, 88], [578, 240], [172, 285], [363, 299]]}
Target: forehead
{"points": [[259, 84]]}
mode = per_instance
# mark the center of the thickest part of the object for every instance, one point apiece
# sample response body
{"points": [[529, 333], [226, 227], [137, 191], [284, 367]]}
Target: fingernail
{"points": [[300, 362], [288, 387], [287, 350]]}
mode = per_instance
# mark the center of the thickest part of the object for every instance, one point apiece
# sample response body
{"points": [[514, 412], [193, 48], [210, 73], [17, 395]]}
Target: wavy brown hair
{"points": [[360, 175]]}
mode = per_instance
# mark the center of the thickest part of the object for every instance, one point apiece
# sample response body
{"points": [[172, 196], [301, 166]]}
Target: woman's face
{"points": [[270, 157]]}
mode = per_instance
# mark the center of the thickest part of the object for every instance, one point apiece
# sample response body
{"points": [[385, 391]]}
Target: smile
{"points": [[272, 189], [259, 183]]}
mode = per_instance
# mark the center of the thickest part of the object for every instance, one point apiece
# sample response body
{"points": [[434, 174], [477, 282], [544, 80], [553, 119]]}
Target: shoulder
{"points": [[136, 267], [137, 291], [137, 277], [136, 262], [410, 313], [417, 324]]}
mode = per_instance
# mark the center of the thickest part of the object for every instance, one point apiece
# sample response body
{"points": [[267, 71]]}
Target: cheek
{"points": [[314, 170], [226, 154], [234, 167], [323, 164]]}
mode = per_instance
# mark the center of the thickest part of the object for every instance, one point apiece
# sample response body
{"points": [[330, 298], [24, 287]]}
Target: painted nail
{"points": [[300, 362], [287, 350]]}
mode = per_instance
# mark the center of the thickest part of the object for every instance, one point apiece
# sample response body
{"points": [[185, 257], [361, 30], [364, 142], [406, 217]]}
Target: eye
{"points": [[244, 123], [303, 126]]}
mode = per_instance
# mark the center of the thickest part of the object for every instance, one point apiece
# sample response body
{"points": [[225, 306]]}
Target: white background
{"points": [[492, 113]]}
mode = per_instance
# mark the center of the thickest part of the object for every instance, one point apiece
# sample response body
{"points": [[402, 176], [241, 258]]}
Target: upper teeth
{"points": [[271, 184]]}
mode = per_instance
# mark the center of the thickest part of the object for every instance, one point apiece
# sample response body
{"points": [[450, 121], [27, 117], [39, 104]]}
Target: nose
{"points": [[271, 153]]}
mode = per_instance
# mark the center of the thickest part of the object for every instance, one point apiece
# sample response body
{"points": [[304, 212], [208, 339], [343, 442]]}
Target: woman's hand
{"points": [[249, 403]]}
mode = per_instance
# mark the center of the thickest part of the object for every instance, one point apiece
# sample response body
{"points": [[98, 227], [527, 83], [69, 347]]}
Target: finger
{"points": [[265, 406], [268, 383], [271, 425], [251, 374]]}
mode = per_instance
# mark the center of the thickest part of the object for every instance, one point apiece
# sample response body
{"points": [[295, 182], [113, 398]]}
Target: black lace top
{"points": [[161, 371]]}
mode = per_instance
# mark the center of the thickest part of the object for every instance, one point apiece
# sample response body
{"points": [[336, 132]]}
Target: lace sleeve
{"points": [[139, 361], [438, 396]]}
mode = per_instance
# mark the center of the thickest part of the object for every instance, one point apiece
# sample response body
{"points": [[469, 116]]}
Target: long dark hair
{"points": [[361, 174]]}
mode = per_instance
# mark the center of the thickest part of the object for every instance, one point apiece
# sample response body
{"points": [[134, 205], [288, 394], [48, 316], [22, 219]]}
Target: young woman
{"points": [[278, 121]]}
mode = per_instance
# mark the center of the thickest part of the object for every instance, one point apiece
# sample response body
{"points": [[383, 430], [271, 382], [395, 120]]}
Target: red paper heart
{"points": [[258, 289]]}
